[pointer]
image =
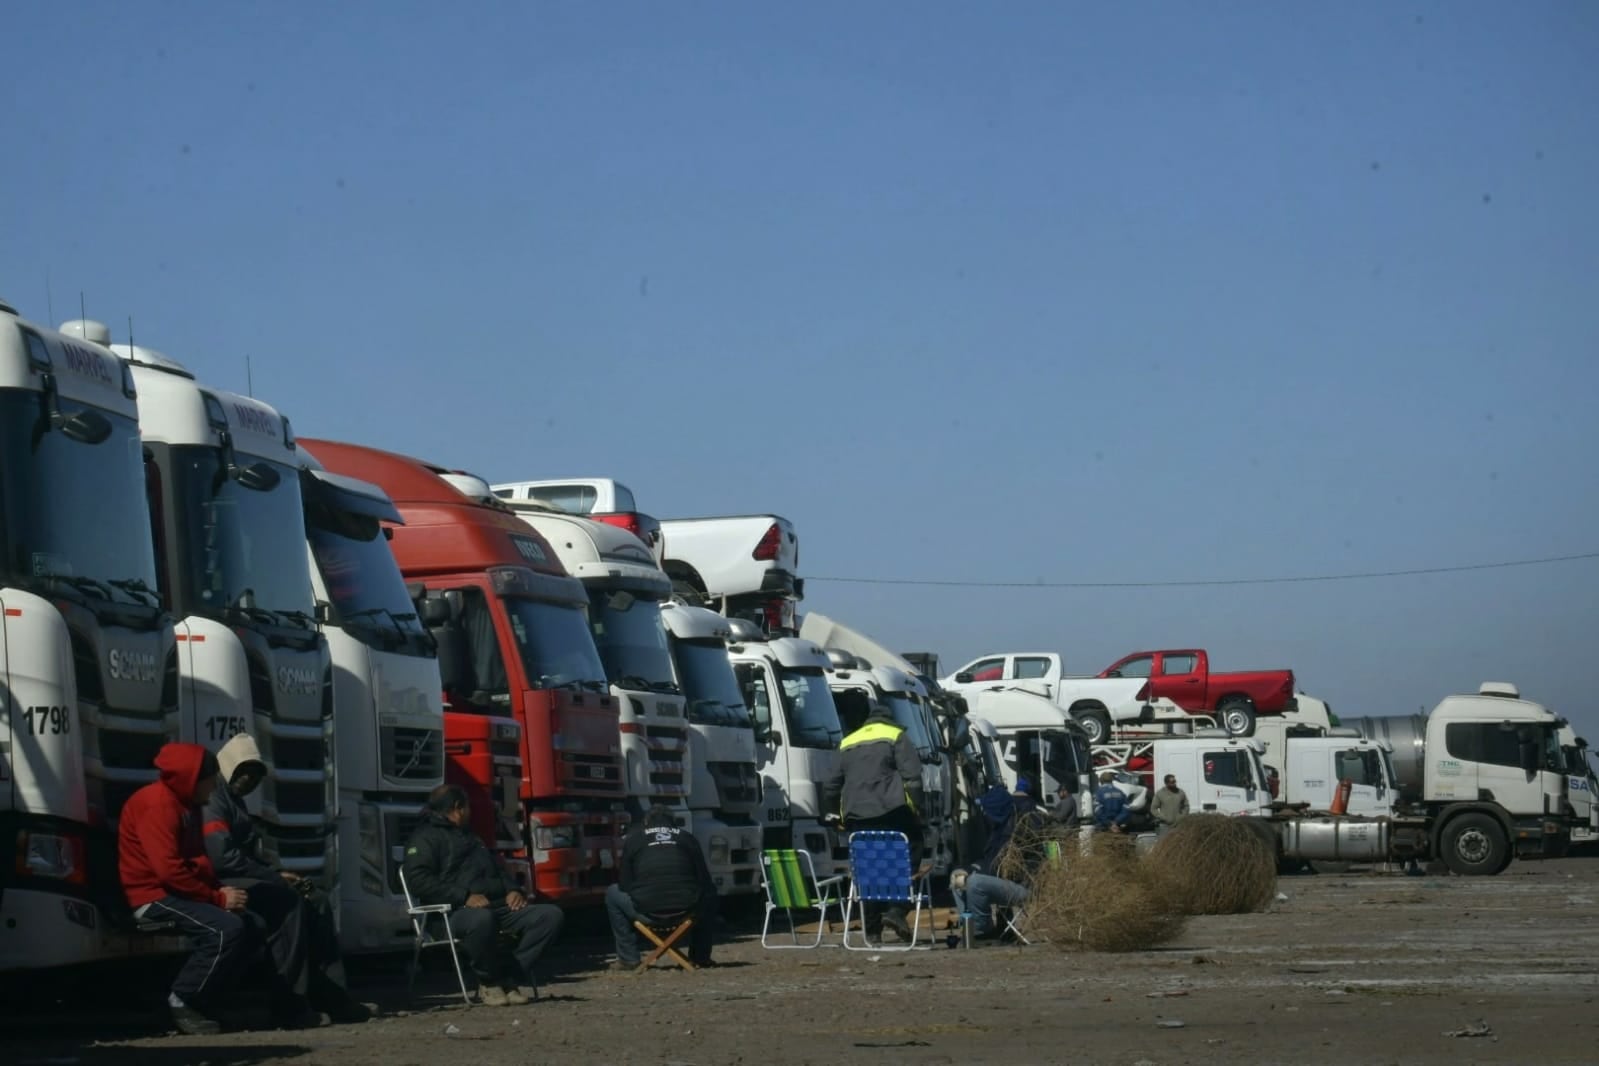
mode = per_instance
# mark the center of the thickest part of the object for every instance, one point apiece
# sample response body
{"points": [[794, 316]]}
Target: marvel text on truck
{"points": [[228, 520], [530, 725], [87, 658], [387, 707]]}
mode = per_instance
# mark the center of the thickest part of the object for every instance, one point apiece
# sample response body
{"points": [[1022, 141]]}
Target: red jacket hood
{"points": [[180, 769]]}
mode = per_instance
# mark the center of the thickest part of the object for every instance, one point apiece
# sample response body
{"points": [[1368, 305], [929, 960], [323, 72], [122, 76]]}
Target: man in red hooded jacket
{"points": [[165, 875]]}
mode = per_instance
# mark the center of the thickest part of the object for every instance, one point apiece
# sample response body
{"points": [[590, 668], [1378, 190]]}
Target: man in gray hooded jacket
{"points": [[297, 918]]}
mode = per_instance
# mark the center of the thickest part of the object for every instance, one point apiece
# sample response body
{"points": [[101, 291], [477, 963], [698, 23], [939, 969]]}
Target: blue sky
{"points": [[1069, 292]]}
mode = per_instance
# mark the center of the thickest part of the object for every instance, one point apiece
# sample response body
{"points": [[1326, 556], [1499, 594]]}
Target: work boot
{"points": [[192, 1022], [514, 997], [349, 1012], [293, 1012], [622, 966], [895, 920], [492, 996]]}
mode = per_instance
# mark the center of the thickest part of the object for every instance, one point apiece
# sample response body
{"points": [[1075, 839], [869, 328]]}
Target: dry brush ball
{"points": [[1100, 899], [1215, 864]]}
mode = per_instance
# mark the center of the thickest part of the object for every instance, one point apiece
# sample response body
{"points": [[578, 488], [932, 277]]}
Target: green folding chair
{"points": [[789, 877]]}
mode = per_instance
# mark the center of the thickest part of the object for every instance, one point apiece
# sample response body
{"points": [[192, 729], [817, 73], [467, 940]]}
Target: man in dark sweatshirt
{"points": [[445, 862], [297, 920], [663, 872], [166, 876]]}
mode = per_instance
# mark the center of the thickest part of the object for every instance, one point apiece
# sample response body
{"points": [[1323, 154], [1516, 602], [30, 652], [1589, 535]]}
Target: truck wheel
{"points": [[1237, 717], [687, 593], [1097, 722], [1474, 844]]}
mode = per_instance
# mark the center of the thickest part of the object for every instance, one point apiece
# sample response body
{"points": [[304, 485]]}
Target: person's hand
{"points": [[515, 900], [832, 821], [234, 899], [477, 901], [290, 876]]}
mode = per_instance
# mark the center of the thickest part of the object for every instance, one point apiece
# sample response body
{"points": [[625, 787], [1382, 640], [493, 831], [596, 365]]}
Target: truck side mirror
{"points": [[435, 610], [1113, 673], [963, 678]]}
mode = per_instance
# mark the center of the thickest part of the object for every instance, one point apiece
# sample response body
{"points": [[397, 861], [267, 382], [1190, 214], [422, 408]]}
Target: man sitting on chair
{"points": [[1016, 850], [663, 873], [445, 862]]}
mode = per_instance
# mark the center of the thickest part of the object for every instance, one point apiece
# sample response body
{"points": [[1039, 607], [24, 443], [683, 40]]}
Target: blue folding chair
{"points": [[880, 872]]}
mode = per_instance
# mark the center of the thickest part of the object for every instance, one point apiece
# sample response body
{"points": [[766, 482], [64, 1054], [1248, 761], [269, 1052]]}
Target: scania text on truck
{"points": [[387, 704], [1184, 676], [625, 589], [1581, 788], [87, 653], [797, 733], [527, 708], [725, 779], [1097, 704], [223, 480]]}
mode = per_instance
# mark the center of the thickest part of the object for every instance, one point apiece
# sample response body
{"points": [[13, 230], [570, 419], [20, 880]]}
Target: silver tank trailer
{"points": [[1407, 735]]}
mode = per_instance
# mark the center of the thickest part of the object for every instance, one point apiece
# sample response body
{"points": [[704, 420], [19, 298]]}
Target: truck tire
{"points": [[1237, 716], [687, 593], [1474, 844], [1097, 721]]}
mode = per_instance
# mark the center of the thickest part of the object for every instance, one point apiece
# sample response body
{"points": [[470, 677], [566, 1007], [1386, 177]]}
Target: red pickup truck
{"points": [[1184, 677]]}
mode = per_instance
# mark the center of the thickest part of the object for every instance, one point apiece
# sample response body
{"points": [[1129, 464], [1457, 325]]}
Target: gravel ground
{"points": [[1357, 968]]}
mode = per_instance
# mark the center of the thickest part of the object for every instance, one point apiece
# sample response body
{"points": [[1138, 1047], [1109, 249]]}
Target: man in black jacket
{"points": [[663, 872], [877, 784], [445, 862], [296, 920]]}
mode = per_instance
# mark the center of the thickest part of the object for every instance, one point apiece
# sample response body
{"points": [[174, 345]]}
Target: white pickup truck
{"points": [[599, 498], [1093, 702], [743, 566]]}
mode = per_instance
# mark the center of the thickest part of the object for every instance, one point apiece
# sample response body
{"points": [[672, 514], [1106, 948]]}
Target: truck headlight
{"points": [[53, 855], [550, 837], [720, 853]]}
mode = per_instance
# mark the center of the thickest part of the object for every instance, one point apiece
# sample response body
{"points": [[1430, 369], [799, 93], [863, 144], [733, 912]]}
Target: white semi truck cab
{"points": [[625, 590], [724, 796], [1035, 739], [387, 700], [858, 685], [228, 522], [1581, 787], [797, 733], [1222, 774], [87, 654]]}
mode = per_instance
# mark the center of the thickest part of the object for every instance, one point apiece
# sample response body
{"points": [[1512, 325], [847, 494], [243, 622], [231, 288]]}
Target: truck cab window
{"points": [[481, 674], [987, 670], [1228, 769], [1172, 665], [753, 682], [1139, 667], [1360, 767]]}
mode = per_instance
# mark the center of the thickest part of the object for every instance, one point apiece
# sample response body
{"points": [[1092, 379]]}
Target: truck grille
{"points": [[412, 754], [737, 783], [124, 740], [592, 773]]}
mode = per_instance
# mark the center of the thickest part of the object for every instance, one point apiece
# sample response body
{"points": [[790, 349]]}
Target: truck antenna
{"points": [[130, 334], [249, 379], [83, 311]]}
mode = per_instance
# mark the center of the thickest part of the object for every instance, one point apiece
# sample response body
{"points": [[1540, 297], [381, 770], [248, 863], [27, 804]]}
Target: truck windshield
{"points": [[709, 683], [908, 715], [245, 548], [1576, 761], [631, 641], [808, 705], [554, 642], [362, 581], [990, 759], [75, 513]]}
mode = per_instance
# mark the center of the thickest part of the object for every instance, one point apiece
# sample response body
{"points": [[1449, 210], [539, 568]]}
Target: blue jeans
{"points": [[984, 892], [622, 911]]}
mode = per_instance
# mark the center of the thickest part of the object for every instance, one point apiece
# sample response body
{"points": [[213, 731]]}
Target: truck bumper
{"points": [[733, 853], [1542, 840]]}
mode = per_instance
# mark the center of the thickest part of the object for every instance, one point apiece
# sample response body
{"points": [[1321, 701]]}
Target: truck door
{"points": [[770, 745], [1227, 781], [1177, 678], [1362, 768]]}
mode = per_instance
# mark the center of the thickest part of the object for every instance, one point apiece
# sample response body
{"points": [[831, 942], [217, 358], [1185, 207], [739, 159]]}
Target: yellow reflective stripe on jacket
{"points": [[871, 731]]}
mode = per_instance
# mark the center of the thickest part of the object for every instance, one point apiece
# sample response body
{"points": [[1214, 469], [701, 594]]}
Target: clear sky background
{"points": [[1056, 291]]}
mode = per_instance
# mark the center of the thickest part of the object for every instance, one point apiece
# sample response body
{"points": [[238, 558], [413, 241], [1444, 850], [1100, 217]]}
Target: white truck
{"points": [[724, 796], [1035, 739], [857, 687], [1098, 704], [797, 732], [387, 704], [228, 520], [742, 566], [1581, 788], [625, 590], [88, 659], [599, 498], [1482, 780]]}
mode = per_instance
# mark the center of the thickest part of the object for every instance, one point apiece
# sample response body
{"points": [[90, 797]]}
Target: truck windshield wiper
{"points": [[250, 610], [82, 584], [668, 687], [306, 621], [594, 686], [136, 587]]}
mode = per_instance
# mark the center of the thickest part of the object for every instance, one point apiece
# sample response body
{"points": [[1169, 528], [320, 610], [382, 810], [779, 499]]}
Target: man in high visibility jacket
{"points": [[878, 785]]}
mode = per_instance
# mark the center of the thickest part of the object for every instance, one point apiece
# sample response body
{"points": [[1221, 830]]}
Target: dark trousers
{"points": [[479, 928], [221, 943], [312, 926], [899, 820], [278, 914], [622, 911]]}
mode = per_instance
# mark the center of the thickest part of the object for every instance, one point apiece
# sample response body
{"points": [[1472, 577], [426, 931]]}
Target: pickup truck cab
{"points": [[1095, 703], [1184, 677]]}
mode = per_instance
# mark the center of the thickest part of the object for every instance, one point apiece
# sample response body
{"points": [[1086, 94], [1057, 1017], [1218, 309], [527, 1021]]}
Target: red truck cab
{"points": [[514, 643], [1183, 675]]}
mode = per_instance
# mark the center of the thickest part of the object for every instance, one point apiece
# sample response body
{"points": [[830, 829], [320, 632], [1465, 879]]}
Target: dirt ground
{"points": [[1359, 968]]}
